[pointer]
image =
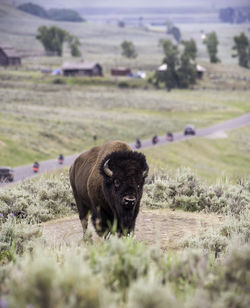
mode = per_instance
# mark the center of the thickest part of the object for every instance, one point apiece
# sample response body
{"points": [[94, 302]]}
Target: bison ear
{"points": [[106, 169]]}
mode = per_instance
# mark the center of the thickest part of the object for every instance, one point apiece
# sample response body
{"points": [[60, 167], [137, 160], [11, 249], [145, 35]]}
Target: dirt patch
{"points": [[166, 227]]}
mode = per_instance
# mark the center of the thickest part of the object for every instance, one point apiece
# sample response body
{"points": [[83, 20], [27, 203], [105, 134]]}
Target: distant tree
{"points": [[64, 15], [33, 9], [168, 76], [53, 14], [74, 45], [242, 48], [180, 71], [121, 24], [235, 15], [53, 38], [227, 15], [186, 72], [173, 30], [211, 42], [128, 49], [190, 48], [176, 33]]}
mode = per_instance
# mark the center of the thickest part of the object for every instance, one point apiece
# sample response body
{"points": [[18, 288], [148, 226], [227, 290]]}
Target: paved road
{"points": [[24, 172]]}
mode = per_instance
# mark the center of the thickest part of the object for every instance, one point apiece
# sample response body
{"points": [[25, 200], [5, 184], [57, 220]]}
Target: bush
{"points": [[58, 81], [187, 192], [123, 84], [14, 238], [38, 200]]}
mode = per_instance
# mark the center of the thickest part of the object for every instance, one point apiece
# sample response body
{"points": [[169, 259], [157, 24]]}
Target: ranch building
{"points": [[120, 71], [9, 56], [200, 71], [89, 69]]}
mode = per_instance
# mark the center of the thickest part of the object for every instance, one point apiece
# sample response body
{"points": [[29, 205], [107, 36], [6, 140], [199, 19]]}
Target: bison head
{"points": [[124, 174]]}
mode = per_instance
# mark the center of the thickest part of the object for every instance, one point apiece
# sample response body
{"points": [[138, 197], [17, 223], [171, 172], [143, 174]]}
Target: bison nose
{"points": [[129, 200]]}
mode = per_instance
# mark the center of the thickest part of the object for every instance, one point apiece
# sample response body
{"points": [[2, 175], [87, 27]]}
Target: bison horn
{"points": [[106, 169], [145, 173]]}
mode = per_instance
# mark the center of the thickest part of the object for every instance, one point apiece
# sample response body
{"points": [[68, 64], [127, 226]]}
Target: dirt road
{"points": [[166, 227]]}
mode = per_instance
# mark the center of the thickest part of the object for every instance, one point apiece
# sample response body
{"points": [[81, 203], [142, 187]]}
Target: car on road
{"points": [[189, 130], [6, 174], [170, 136]]}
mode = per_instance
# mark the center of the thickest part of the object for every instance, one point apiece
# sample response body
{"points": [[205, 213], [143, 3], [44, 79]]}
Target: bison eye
{"points": [[117, 183]]}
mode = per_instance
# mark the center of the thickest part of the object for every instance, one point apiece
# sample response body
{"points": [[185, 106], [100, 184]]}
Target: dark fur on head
{"points": [[116, 156]]}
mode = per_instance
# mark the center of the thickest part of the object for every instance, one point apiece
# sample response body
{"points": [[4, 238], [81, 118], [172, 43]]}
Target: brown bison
{"points": [[107, 181]]}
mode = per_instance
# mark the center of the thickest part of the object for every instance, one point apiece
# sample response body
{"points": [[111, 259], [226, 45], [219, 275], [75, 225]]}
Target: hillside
{"points": [[103, 41]]}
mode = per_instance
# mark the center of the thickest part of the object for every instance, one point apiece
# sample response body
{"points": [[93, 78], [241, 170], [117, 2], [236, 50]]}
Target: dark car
{"points": [[6, 174], [189, 130], [170, 136]]}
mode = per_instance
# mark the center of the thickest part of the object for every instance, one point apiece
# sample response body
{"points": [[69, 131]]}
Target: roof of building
{"points": [[10, 51], [79, 66], [163, 67], [200, 68]]}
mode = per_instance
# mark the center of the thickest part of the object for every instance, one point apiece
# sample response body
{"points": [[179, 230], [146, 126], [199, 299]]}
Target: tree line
{"points": [[52, 14], [235, 15], [180, 69]]}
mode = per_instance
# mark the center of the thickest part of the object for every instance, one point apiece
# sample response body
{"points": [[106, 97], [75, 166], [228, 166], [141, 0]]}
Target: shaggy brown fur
{"points": [[111, 199]]}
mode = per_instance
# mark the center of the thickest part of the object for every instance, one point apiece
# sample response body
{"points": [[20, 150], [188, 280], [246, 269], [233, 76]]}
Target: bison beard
{"points": [[107, 181]]}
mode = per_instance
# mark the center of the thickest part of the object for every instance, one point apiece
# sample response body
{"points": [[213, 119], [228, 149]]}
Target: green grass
{"points": [[211, 159], [40, 119]]}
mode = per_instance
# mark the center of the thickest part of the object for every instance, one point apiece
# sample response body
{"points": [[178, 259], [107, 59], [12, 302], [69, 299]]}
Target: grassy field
{"points": [[225, 159], [40, 119]]}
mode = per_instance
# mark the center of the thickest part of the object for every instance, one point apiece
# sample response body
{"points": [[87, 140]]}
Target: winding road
{"points": [[24, 172]]}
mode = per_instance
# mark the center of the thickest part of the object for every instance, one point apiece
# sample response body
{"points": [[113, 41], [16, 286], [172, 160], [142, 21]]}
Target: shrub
{"points": [[186, 191], [38, 200], [14, 238]]}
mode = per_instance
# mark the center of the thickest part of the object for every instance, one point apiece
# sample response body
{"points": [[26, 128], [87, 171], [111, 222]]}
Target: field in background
{"points": [[101, 42], [40, 119], [42, 115], [222, 156]]}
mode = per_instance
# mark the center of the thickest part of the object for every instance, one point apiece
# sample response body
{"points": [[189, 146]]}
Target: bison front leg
{"points": [[102, 223], [83, 211]]}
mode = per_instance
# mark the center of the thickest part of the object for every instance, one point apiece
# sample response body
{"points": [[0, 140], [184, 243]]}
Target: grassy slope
{"points": [[224, 159], [38, 120], [41, 120]]}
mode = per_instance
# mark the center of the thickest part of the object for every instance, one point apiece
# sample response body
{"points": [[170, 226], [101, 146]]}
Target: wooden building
{"points": [[200, 71], [9, 56], [89, 69], [120, 71]]}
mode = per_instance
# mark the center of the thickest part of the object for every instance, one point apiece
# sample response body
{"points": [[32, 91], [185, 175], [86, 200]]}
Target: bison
{"points": [[107, 181]]}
